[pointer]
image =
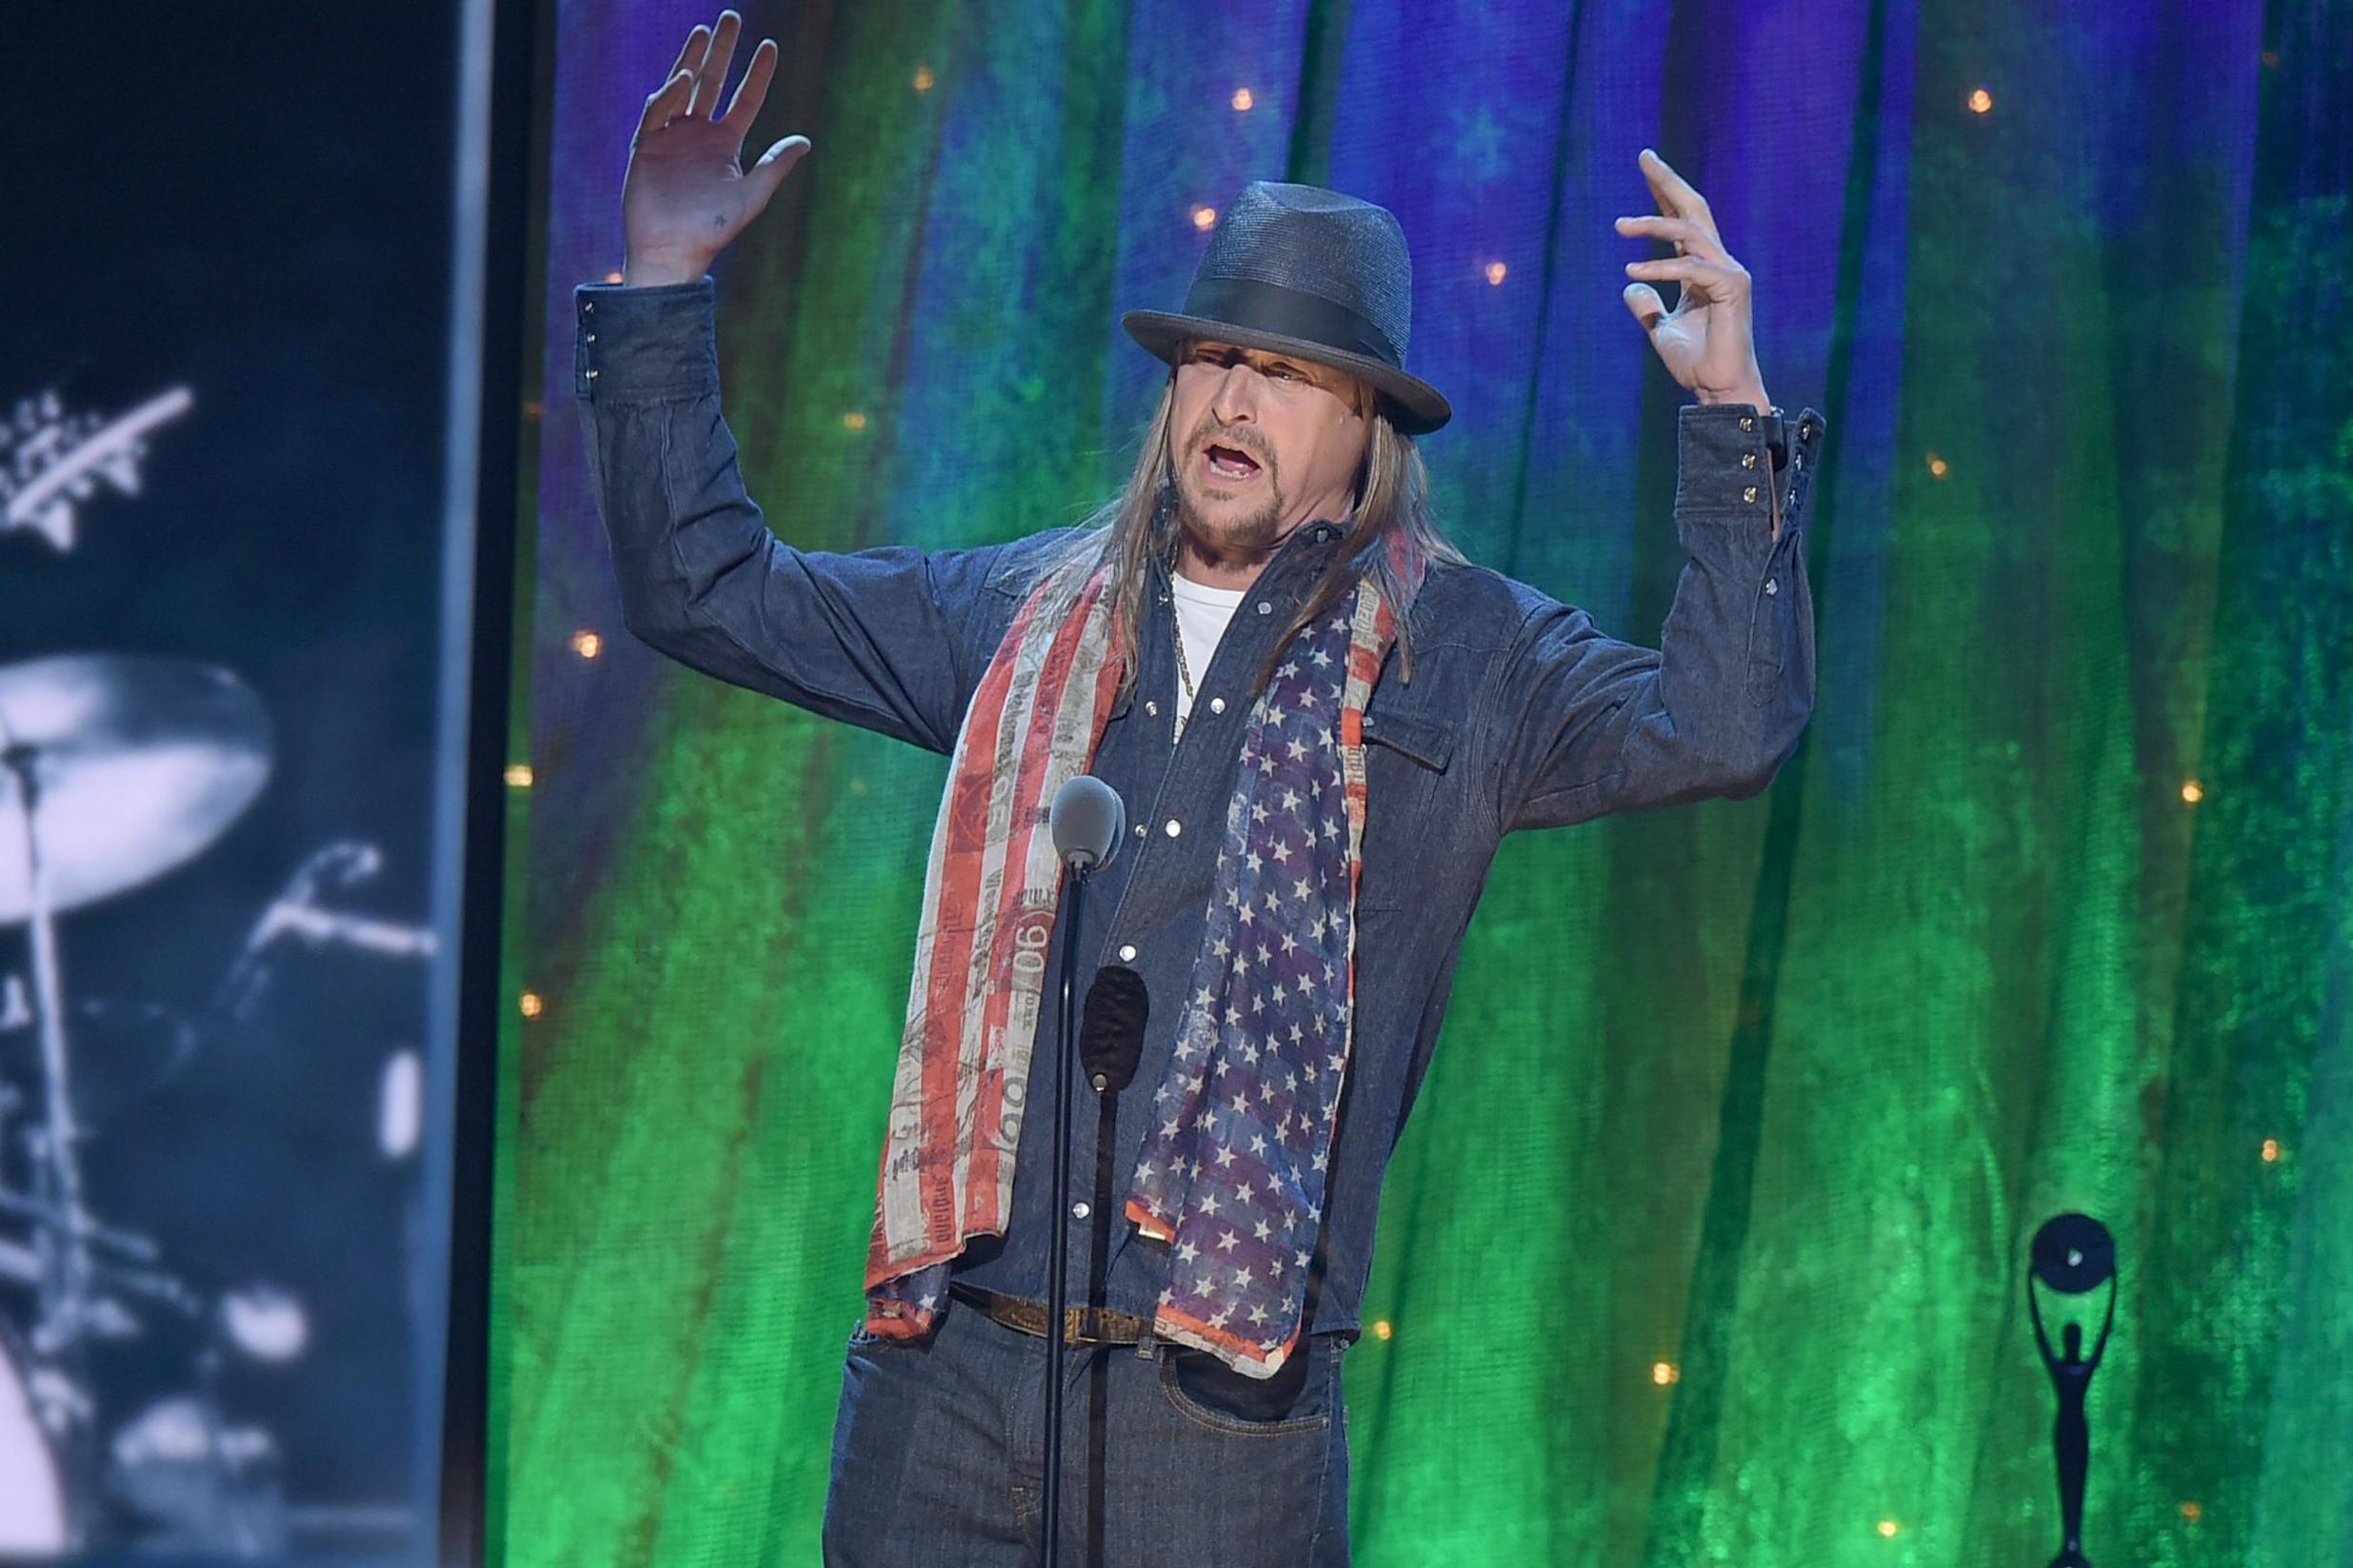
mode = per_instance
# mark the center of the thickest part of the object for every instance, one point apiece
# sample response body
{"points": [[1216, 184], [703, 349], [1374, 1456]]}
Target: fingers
{"points": [[766, 175], [1643, 301], [1686, 236], [1721, 282], [690, 56], [1674, 193], [713, 74], [753, 89], [668, 102]]}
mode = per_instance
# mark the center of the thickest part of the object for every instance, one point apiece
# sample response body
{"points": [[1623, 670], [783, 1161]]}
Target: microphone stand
{"points": [[1110, 1059], [1098, 1289], [1086, 819], [1058, 1257]]}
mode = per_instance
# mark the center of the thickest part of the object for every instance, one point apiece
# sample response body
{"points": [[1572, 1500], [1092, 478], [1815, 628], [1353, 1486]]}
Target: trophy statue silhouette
{"points": [[2072, 1255]]}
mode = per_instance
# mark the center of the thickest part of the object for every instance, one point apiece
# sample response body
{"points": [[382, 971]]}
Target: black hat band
{"points": [[1285, 312]]}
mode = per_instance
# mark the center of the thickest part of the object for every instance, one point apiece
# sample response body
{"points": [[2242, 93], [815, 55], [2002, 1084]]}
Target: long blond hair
{"points": [[1139, 524]]}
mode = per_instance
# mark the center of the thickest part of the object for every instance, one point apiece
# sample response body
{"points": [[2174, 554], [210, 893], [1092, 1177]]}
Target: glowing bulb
{"points": [[1980, 101], [519, 776], [1495, 272], [612, 277], [1889, 1528], [1243, 100], [1204, 216], [587, 643], [531, 1003], [923, 78], [1664, 1373], [1936, 465], [854, 421], [2193, 791], [400, 1105], [2271, 1151], [1382, 1329], [267, 1324], [2191, 1509]]}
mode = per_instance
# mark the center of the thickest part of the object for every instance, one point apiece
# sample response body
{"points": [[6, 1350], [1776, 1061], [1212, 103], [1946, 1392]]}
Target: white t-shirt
{"points": [[1202, 613]]}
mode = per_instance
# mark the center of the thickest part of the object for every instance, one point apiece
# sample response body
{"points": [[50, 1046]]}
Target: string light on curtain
{"points": [[587, 643], [854, 421], [1936, 465], [1243, 100], [2193, 791], [923, 77], [528, 1001], [1889, 1528], [2191, 1509], [1495, 272], [519, 776], [1666, 1373], [1382, 1329], [1980, 101], [2271, 1151], [1204, 216]]}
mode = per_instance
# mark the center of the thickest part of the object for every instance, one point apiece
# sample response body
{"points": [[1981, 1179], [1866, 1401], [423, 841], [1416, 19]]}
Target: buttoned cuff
{"points": [[1724, 469], [645, 343], [1722, 463]]}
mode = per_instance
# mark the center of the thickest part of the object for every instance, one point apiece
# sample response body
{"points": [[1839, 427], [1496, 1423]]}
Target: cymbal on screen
{"points": [[137, 764]]}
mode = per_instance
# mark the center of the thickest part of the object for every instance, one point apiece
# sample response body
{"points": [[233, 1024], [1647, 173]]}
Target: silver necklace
{"points": [[1184, 673]]}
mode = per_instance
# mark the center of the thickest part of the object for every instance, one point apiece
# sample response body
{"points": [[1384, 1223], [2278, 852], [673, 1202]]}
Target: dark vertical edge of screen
{"points": [[1320, 52], [499, 62]]}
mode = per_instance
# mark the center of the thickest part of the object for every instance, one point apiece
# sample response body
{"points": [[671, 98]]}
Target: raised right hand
{"points": [[688, 194]]}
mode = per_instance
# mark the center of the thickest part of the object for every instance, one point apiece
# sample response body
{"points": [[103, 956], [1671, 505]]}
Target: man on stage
{"points": [[1321, 720]]}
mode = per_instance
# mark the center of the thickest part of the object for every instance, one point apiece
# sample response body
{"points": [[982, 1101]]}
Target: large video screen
{"points": [[234, 612]]}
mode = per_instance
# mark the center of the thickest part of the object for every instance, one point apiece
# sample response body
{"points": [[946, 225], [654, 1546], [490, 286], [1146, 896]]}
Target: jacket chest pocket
{"points": [[1408, 764]]}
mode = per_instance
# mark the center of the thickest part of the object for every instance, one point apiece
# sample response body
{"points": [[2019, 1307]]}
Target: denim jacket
{"points": [[1521, 713]]}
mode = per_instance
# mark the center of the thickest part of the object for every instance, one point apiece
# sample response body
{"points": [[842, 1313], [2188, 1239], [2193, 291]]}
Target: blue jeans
{"points": [[1171, 1459]]}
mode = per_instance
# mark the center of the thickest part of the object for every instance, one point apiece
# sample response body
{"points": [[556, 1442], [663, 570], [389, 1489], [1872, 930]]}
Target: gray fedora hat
{"points": [[1304, 271]]}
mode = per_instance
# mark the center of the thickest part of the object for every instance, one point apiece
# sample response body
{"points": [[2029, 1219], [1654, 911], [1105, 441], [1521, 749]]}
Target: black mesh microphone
{"points": [[1111, 1033]]}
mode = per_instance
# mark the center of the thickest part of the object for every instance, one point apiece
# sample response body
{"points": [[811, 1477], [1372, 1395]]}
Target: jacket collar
{"points": [[1308, 551]]}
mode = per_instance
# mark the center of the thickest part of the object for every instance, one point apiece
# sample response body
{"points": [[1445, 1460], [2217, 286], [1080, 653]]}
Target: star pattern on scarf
{"points": [[1235, 1161]]}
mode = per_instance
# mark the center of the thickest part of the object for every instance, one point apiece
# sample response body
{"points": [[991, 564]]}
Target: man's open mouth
{"points": [[1231, 464]]}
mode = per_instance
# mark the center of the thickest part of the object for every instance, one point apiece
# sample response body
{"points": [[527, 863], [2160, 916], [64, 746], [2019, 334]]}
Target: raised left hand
{"points": [[1707, 342]]}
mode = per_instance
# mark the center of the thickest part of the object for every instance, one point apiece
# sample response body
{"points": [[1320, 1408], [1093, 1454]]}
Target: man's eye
{"points": [[1283, 371]]}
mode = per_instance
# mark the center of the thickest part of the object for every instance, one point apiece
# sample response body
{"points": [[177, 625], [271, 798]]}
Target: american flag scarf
{"points": [[1232, 1171]]}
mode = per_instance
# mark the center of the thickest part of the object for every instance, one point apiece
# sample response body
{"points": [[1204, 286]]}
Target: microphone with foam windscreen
{"points": [[1086, 819]]}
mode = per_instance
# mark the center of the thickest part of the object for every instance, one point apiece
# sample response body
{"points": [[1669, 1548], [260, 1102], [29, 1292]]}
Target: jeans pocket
{"points": [[1205, 1390]]}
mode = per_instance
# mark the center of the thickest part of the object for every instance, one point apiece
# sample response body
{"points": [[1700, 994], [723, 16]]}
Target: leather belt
{"points": [[1081, 1325]]}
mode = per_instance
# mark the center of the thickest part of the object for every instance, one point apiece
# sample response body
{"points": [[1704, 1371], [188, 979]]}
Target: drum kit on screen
{"points": [[117, 1341]]}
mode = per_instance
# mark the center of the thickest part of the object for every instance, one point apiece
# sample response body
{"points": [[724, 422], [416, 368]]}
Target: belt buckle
{"points": [[1079, 1325], [1074, 1325], [1030, 1317]]}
